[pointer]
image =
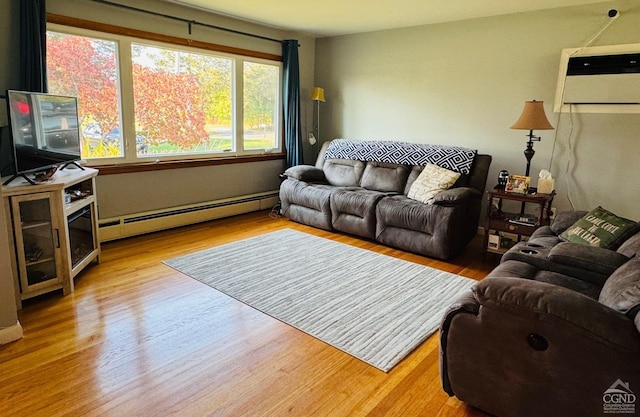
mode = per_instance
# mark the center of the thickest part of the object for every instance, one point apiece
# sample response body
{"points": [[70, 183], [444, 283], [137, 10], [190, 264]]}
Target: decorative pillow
{"points": [[432, 180], [601, 228]]}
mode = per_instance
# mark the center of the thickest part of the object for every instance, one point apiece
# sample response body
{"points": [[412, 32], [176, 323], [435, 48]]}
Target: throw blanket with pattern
{"points": [[454, 158]]}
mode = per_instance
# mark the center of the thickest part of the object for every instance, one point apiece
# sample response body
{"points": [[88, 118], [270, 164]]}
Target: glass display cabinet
{"points": [[53, 231]]}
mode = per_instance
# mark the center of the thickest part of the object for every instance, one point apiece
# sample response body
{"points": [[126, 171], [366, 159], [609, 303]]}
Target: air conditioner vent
{"points": [[605, 64]]}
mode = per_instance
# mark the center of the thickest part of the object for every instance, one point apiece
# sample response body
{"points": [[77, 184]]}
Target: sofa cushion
{"points": [[456, 196], [353, 211], [600, 260], [565, 219], [600, 228], [405, 213], [621, 292], [431, 181], [307, 203], [380, 176], [518, 269], [413, 175], [565, 261], [343, 172], [544, 236]]}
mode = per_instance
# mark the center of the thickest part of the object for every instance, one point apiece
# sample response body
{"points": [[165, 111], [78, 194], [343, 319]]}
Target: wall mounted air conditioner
{"points": [[602, 79]]}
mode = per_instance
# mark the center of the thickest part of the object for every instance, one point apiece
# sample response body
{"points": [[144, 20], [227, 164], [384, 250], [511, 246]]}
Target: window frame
{"points": [[124, 37]]}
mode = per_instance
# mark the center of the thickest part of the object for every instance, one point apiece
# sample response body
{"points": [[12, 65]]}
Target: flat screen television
{"points": [[44, 132]]}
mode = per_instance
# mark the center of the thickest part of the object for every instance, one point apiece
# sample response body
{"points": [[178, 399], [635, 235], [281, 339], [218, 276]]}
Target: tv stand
{"points": [[53, 231]]}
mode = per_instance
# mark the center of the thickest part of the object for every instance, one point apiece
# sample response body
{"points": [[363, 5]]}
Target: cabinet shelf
{"points": [[78, 204], [35, 224], [39, 261]]}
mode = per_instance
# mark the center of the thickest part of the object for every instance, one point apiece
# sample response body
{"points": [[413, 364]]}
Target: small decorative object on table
{"points": [[493, 242], [545, 182], [503, 177], [517, 184], [45, 176]]}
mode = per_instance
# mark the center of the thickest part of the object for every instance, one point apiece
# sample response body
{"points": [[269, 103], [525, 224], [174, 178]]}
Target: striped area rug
{"points": [[371, 306]]}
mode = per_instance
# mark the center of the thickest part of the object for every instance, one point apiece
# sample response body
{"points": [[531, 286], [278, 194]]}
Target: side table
{"points": [[516, 223]]}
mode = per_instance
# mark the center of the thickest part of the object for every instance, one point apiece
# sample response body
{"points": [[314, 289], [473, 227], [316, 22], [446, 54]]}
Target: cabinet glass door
{"points": [[37, 241], [81, 239]]}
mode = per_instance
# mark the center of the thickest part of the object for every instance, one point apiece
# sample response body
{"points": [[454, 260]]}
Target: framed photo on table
{"points": [[517, 184]]}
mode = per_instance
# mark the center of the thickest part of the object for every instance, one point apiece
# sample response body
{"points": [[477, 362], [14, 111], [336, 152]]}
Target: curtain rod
{"points": [[189, 22]]}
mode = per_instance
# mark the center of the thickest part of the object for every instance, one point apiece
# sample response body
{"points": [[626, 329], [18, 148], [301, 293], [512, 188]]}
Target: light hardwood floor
{"points": [[137, 338]]}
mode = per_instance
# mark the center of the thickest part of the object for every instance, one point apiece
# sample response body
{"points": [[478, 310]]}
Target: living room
{"points": [[461, 83]]}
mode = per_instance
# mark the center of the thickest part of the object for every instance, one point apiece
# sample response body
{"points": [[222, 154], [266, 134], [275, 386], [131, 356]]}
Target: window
{"points": [[141, 99], [260, 106], [182, 101], [86, 68]]}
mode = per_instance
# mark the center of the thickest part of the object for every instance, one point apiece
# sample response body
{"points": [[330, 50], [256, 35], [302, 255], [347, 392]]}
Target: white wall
{"points": [[465, 83]]}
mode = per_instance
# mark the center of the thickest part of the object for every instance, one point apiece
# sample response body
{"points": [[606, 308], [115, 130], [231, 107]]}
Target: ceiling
{"points": [[321, 18]]}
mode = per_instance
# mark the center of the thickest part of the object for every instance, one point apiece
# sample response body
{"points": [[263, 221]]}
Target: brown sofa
{"points": [[369, 199], [554, 330]]}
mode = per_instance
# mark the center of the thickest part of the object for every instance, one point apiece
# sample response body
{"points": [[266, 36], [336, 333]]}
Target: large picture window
{"points": [[140, 99]]}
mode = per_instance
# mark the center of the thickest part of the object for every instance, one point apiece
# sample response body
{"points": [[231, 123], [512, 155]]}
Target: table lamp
{"points": [[532, 118]]}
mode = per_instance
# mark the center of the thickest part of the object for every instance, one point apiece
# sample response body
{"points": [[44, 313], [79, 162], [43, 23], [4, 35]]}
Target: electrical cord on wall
{"points": [[570, 144], [555, 136], [613, 14]]}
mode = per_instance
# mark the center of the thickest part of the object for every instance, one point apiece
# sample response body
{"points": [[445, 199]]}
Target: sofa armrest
{"points": [[467, 304], [455, 196], [543, 301], [306, 173], [601, 260]]}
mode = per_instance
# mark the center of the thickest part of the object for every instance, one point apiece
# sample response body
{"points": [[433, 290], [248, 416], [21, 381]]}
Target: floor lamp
{"points": [[318, 96]]}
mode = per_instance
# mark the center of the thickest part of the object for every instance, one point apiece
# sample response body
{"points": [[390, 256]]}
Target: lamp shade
{"points": [[533, 117], [317, 94]]}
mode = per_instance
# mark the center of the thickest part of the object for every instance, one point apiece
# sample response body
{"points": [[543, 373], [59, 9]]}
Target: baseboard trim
{"points": [[11, 334], [152, 221]]}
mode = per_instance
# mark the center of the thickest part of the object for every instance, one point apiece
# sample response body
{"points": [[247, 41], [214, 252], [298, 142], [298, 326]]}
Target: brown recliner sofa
{"points": [[369, 199], [553, 330]]}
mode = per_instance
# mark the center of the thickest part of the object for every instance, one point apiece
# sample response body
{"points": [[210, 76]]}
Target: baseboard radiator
{"points": [[153, 221]]}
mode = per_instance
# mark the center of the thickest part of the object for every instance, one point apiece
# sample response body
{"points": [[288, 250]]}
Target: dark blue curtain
{"points": [[291, 103], [33, 43]]}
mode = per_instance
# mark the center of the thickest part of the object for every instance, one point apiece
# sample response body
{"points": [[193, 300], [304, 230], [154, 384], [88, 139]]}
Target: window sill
{"points": [[113, 169]]}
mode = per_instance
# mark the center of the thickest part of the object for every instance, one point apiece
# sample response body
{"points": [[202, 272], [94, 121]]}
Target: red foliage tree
{"points": [[85, 68], [168, 106]]}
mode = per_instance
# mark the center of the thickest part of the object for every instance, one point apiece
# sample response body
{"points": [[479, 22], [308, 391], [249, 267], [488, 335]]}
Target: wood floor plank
{"points": [[138, 338]]}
